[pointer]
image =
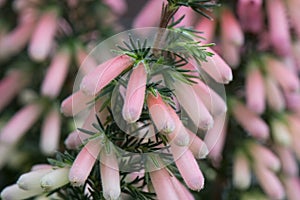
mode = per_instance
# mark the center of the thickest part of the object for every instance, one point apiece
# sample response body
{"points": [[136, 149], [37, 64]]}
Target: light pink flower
{"points": [[56, 74], [278, 27], [189, 16], [84, 162], [286, 78], [274, 95], [217, 68], [255, 91], [241, 171], [250, 15], [208, 27], [55, 179], [153, 9], [281, 132], [19, 124], [252, 123], [197, 146], [51, 132], [193, 105], [264, 157], [269, 183], [104, 73], [135, 94], [231, 54], [32, 180], [181, 191], [288, 161], [43, 36], [75, 103], [118, 6], [162, 184], [294, 127], [14, 192], [110, 176], [159, 113], [11, 85], [292, 187], [188, 167]]}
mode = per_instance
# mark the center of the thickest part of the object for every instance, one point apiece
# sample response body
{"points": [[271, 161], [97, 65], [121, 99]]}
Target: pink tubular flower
{"points": [[188, 167], [14, 192], [292, 7], [252, 123], [197, 146], [162, 184], [189, 16], [292, 187], [51, 132], [255, 93], [135, 94], [274, 96], [31, 180], [75, 103], [279, 27], [55, 179], [208, 27], [84, 162], [118, 6], [241, 171], [153, 9], [294, 127], [10, 85], [264, 157], [286, 78], [250, 15], [181, 190], [20, 123], [288, 160], [56, 74], [269, 183], [192, 105], [217, 68], [160, 114], [281, 132], [43, 35], [110, 177], [104, 73], [230, 29]]}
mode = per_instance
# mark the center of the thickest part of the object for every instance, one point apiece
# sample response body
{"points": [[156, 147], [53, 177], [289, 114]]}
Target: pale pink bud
{"points": [[241, 171], [50, 132], [250, 15], [255, 91], [11, 85], [104, 73], [197, 146], [264, 157], [162, 184], [231, 31], [85, 62], [292, 101], [189, 16], [118, 6], [56, 74], [217, 68], [31, 180], [294, 127], [274, 96], [193, 105], [269, 183], [181, 190], [281, 133], [43, 35], [19, 124], [286, 78], [55, 179], [74, 139], [75, 103], [110, 177], [13, 192], [292, 187], [153, 9], [288, 160], [215, 138], [159, 113], [278, 27], [188, 167], [207, 27], [231, 54], [84, 162], [135, 94], [252, 123]]}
